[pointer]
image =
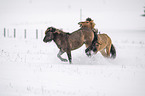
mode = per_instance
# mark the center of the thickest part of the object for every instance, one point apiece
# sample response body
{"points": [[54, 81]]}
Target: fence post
{"points": [[8, 33], [25, 33], [36, 33], [4, 32], [80, 15], [14, 33]]}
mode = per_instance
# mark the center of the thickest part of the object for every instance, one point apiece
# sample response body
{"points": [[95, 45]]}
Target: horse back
{"points": [[79, 37], [76, 39], [104, 38]]}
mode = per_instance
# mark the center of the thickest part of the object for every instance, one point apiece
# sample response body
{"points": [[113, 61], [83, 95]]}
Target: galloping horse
{"points": [[100, 43], [69, 41]]}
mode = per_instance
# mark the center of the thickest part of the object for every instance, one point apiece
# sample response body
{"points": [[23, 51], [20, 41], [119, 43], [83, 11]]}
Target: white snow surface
{"points": [[30, 67]]}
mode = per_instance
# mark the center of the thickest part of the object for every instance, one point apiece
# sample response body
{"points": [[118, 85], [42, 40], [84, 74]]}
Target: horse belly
{"points": [[76, 40], [76, 43]]}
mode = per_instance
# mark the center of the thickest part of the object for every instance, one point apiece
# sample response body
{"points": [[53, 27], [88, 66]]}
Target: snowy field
{"points": [[30, 67]]}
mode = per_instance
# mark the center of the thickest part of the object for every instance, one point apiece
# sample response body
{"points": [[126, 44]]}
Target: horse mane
{"points": [[61, 32], [50, 28], [88, 19]]}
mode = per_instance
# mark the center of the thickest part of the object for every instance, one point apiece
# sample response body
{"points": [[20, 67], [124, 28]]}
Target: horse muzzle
{"points": [[44, 40], [47, 40]]}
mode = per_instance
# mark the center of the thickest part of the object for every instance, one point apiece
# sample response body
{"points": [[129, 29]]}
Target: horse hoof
{"points": [[64, 60], [88, 54], [94, 50]]}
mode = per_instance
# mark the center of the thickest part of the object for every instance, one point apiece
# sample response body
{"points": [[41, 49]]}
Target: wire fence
{"points": [[22, 33]]}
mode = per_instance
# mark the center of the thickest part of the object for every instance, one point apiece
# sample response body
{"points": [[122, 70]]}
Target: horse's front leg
{"points": [[93, 46], [69, 56], [89, 46], [59, 56], [88, 51]]}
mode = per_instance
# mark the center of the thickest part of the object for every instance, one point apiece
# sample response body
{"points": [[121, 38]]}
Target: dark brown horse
{"points": [[67, 42]]}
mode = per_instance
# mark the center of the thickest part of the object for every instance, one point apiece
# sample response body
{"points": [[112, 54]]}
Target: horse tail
{"points": [[113, 51]]}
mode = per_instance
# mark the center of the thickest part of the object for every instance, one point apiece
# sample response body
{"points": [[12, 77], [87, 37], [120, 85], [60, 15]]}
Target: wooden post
{"points": [[14, 33], [80, 15], [25, 33], [4, 32], [36, 33], [8, 33]]}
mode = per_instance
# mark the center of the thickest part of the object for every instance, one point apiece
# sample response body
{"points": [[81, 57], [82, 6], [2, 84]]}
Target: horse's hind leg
{"points": [[108, 50], [104, 53], [59, 56], [69, 56]]}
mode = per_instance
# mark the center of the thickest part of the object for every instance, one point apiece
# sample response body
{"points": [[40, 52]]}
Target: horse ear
{"points": [[47, 30], [53, 29]]}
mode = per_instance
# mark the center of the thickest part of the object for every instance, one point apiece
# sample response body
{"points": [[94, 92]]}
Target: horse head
{"points": [[49, 34], [88, 23], [91, 22]]}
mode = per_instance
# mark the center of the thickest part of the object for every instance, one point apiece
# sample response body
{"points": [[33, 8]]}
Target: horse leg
{"points": [[69, 56], [108, 48], [59, 56], [103, 53], [88, 50], [89, 47]]}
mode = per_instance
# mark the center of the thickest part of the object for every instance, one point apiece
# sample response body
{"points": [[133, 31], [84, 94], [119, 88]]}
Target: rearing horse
{"points": [[101, 42], [67, 42]]}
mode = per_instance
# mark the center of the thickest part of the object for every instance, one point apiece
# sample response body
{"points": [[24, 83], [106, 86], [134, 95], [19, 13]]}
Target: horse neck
{"points": [[85, 27], [61, 40], [59, 36]]}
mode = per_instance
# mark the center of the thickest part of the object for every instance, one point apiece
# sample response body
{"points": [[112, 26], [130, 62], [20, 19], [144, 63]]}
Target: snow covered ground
{"points": [[29, 67]]}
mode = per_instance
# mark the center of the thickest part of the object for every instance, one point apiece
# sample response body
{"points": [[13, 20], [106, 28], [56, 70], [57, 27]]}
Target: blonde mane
{"points": [[89, 24]]}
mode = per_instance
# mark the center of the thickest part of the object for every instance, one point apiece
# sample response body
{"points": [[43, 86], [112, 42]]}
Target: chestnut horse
{"points": [[101, 42], [67, 42]]}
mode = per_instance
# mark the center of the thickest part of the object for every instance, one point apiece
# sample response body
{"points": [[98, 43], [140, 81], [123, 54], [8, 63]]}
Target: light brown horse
{"points": [[101, 42], [69, 41]]}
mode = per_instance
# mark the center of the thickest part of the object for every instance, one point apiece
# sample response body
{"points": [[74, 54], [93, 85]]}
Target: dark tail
{"points": [[113, 52]]}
